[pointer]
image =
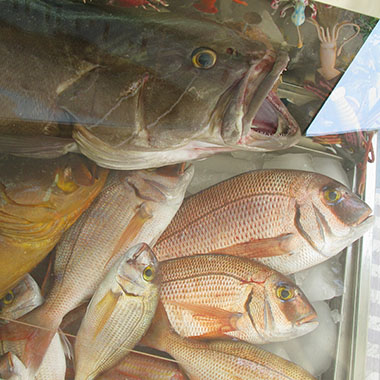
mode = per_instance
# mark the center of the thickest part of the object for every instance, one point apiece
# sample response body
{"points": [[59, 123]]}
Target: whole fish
{"points": [[141, 367], [221, 295], [25, 297], [220, 360], [119, 313], [22, 299], [289, 220], [138, 89], [133, 207], [39, 200]]}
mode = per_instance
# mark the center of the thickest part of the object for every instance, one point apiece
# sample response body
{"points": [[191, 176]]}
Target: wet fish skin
{"points": [[219, 360], [119, 313], [40, 200], [141, 64], [282, 218], [228, 296], [133, 207], [141, 367]]}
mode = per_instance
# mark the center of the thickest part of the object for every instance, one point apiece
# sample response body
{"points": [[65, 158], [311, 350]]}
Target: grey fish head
{"points": [[177, 80]]}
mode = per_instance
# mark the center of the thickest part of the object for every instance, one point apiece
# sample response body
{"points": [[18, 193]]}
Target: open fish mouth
{"points": [[263, 120]]}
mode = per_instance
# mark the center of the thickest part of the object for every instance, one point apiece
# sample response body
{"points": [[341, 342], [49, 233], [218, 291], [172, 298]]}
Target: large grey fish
{"points": [[138, 89]]}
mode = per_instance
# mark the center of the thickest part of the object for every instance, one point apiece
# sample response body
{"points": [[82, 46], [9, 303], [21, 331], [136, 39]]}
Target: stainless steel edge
{"points": [[350, 360]]}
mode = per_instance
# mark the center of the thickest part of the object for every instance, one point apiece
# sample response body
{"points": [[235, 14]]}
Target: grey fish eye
{"points": [[203, 58]]}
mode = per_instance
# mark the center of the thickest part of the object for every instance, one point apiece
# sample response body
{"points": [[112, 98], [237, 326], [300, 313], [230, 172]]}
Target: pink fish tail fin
{"points": [[35, 330]]}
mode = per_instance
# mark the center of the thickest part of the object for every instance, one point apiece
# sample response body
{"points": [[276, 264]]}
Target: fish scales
{"points": [[133, 207], [220, 295], [141, 367], [280, 217], [220, 360], [119, 313]]}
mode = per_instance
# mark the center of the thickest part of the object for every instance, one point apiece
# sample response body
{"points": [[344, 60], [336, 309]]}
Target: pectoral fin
{"points": [[104, 309], [37, 146], [224, 320], [277, 246], [142, 215]]}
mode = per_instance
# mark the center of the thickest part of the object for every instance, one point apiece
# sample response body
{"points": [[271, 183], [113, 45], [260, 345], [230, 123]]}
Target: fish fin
{"points": [[206, 6], [142, 215], [11, 365], [45, 281], [224, 319], [37, 146], [105, 308], [66, 345], [278, 246], [37, 341]]}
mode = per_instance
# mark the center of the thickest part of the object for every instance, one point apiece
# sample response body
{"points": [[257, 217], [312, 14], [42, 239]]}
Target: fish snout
{"points": [[309, 318]]}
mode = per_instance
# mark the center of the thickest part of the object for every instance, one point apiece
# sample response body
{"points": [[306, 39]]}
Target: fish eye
{"points": [[284, 293], [148, 273], [203, 58], [332, 195], [8, 298]]}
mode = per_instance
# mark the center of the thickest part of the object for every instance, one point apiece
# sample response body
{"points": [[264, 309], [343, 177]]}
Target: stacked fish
{"points": [[118, 87]]}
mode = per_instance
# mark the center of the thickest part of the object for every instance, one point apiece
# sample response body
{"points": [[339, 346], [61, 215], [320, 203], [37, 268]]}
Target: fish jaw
{"points": [[254, 118]]}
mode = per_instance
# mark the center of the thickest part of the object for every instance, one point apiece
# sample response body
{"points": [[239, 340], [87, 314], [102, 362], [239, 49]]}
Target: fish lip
{"points": [[248, 96], [310, 318]]}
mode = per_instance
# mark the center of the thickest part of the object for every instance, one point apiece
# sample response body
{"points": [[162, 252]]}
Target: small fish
{"points": [[25, 297], [40, 199], [141, 367], [221, 295], [220, 360], [19, 301], [289, 220], [118, 81], [133, 207], [119, 313]]}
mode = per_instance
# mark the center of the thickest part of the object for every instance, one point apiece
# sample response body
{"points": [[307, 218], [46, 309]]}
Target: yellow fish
{"points": [[39, 200]]}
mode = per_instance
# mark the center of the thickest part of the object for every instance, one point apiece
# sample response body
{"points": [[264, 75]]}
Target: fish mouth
{"points": [[309, 319], [255, 117]]}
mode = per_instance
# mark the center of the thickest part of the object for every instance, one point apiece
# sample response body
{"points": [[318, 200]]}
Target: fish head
{"points": [[22, 299], [189, 81], [286, 313], [329, 216], [138, 272]]}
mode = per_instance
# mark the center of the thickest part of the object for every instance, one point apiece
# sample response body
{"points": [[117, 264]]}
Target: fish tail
{"points": [[33, 333]]}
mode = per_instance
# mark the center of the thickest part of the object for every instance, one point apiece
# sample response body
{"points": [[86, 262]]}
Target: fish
{"points": [[119, 312], [133, 207], [25, 297], [22, 299], [227, 296], [289, 220], [219, 360], [141, 367], [134, 89], [40, 199]]}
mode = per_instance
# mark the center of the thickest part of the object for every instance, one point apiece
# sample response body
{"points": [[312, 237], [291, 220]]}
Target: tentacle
{"points": [[340, 26]]}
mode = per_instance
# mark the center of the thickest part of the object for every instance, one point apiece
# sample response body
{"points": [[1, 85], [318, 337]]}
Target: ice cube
{"points": [[316, 350], [297, 161], [220, 167], [323, 281]]}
